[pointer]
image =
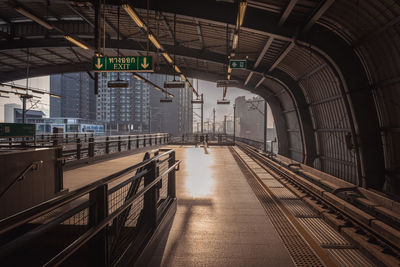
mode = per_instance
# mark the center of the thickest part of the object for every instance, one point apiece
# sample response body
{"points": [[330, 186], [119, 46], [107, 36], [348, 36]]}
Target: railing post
{"points": [[150, 200], [85, 138], [129, 142], [119, 143], [91, 147], [144, 140], [59, 182], [107, 145], [137, 141], [78, 148], [150, 140], [171, 176], [66, 138], [155, 140], [55, 140], [98, 247]]}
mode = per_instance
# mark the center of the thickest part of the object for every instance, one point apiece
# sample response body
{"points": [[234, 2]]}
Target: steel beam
{"points": [[284, 53], [264, 50], [287, 12], [248, 78], [317, 13], [312, 71], [199, 32], [260, 82]]}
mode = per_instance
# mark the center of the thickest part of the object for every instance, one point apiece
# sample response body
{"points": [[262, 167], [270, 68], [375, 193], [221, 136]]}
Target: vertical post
{"points": [[234, 123], [213, 122], [137, 141], [225, 124], [150, 140], [55, 140], [150, 201], [78, 148], [97, 37], [202, 103], [98, 247], [129, 142], [265, 126], [144, 140], [119, 143], [107, 145], [91, 147], [59, 172], [171, 176]]}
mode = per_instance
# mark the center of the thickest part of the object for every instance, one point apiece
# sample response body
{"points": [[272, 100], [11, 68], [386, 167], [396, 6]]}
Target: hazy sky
{"points": [[212, 94], [209, 89], [37, 83]]}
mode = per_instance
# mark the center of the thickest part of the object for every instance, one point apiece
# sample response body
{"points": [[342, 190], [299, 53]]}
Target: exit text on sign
{"points": [[123, 64]]}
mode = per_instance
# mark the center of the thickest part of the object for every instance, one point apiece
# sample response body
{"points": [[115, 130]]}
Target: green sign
{"points": [[238, 63], [17, 130], [123, 64]]}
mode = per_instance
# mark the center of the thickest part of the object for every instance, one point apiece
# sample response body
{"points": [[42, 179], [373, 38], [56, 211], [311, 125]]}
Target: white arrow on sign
{"points": [[98, 65], [144, 64], [234, 64]]}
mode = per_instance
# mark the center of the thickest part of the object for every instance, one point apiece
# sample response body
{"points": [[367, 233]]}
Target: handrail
{"points": [[59, 258], [38, 210], [31, 167]]}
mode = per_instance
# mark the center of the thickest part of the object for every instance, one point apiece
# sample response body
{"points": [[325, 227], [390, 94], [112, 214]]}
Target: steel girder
{"points": [[356, 91]]}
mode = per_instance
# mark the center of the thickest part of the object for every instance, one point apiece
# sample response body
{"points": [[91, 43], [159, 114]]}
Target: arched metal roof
{"points": [[328, 68]]}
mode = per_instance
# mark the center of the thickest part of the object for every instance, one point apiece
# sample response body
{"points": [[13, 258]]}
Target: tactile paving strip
{"points": [[325, 235], [298, 208], [283, 193], [301, 253]]}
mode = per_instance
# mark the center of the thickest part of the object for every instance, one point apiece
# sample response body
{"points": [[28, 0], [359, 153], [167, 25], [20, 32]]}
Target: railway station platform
{"points": [[225, 217], [195, 206]]}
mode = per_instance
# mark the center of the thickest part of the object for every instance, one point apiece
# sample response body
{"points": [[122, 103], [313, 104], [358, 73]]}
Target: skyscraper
{"points": [[124, 109], [137, 108], [77, 96]]}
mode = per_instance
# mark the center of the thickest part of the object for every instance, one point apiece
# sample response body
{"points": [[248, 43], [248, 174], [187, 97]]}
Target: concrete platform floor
{"points": [[84, 175], [219, 220]]}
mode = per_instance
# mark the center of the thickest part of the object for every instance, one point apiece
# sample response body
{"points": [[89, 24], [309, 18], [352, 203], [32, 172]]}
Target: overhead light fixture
{"points": [[76, 42], [182, 76], [242, 12], [134, 16], [168, 58], [137, 77], [235, 41], [34, 18], [55, 96], [154, 41], [177, 69]]}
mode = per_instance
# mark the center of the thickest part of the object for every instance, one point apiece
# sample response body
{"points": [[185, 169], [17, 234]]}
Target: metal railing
{"points": [[272, 146], [54, 139], [95, 225], [106, 145], [217, 139]]}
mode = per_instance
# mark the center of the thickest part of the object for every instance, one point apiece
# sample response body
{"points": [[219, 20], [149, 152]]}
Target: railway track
{"points": [[368, 226]]}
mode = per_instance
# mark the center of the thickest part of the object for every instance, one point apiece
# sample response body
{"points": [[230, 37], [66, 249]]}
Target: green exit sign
{"points": [[123, 64], [238, 63], [17, 130]]}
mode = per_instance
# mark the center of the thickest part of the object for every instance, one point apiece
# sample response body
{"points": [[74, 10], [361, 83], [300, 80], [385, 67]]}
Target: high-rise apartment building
{"points": [[77, 96], [175, 117], [124, 109], [137, 108]]}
